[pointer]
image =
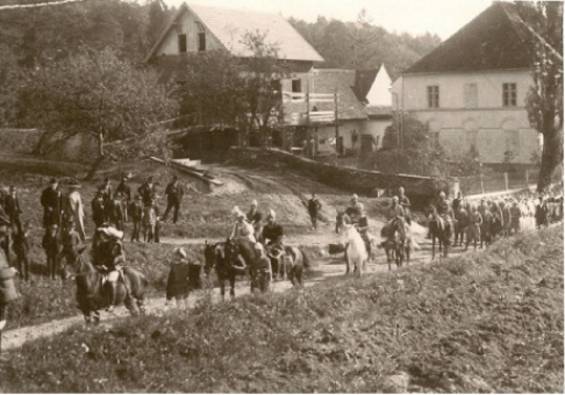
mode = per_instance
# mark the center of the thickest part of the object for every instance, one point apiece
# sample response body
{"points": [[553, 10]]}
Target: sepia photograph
{"points": [[299, 196]]}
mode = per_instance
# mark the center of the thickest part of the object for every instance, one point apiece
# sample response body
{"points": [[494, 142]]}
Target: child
{"points": [[21, 248], [51, 246], [136, 215], [264, 272], [178, 282]]}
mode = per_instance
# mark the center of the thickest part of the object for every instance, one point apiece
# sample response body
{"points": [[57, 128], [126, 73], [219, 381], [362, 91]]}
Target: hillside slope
{"points": [[487, 322]]}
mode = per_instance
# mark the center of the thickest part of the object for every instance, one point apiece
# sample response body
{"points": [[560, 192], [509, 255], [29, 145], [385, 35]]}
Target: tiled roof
{"points": [[230, 25], [379, 112], [364, 80], [495, 39]]}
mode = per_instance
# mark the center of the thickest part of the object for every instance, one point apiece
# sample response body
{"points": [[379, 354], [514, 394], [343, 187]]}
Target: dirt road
{"points": [[326, 267]]}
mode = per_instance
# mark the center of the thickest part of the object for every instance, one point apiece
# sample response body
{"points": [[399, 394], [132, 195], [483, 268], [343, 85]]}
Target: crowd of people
{"points": [[63, 220]]}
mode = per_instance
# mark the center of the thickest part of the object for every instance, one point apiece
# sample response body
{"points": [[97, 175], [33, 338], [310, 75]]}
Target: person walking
{"points": [[314, 206], [147, 191], [174, 192], [21, 250], [12, 207], [75, 210], [125, 191], [51, 201], [98, 210], [136, 215], [51, 246], [178, 281]]}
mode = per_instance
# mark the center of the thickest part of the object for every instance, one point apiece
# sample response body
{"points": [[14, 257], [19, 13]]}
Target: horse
{"points": [[355, 250], [93, 295], [440, 231], [245, 249], [397, 242], [293, 262], [216, 256]]}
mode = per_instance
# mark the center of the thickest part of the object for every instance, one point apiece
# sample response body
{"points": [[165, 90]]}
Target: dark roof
{"points": [[326, 81], [496, 39], [379, 112], [364, 80]]}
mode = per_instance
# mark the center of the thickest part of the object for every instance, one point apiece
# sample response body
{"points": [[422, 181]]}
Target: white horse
{"points": [[355, 251]]}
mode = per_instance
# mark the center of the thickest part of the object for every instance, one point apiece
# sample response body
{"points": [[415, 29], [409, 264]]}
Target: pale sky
{"points": [[442, 17]]}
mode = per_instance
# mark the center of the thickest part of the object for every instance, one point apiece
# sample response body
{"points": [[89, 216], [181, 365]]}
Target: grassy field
{"points": [[486, 322]]}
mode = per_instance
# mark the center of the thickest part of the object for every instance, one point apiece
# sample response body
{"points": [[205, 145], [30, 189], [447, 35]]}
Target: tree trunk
{"points": [[551, 157]]}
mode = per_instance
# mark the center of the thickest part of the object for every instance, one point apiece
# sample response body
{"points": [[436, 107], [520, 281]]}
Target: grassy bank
{"points": [[492, 321]]}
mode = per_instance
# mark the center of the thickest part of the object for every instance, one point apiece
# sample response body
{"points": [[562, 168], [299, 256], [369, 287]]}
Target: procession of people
{"points": [[65, 235]]}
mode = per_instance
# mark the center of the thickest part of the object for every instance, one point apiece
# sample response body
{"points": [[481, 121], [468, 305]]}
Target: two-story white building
{"points": [[472, 89]]}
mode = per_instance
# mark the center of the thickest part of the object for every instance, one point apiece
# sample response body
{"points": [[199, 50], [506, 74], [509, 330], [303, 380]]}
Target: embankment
{"points": [[486, 322]]}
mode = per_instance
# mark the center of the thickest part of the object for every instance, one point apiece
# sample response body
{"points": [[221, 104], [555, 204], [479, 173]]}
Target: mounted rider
{"points": [[355, 214], [108, 256], [395, 214], [443, 212]]}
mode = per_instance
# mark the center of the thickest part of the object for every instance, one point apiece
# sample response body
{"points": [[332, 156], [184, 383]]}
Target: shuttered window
{"points": [[433, 96]]}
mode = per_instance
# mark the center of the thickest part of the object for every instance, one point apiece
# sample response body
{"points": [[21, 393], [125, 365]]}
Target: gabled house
{"points": [[471, 90], [198, 28]]}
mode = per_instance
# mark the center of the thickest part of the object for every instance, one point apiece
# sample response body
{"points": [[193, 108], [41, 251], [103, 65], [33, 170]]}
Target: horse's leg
{"points": [[433, 247], [222, 289], [346, 262], [232, 286]]}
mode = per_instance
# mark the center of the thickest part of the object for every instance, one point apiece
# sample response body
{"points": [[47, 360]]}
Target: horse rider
{"points": [[242, 229], [109, 256], [51, 200], [443, 211], [395, 213], [356, 209], [272, 238], [255, 218], [405, 203]]}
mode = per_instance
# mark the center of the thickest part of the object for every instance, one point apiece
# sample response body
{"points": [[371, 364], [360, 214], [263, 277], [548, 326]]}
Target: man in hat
{"points": [[242, 229], [12, 207], [117, 216], [174, 192], [272, 238], [51, 200], [178, 281], [255, 218], [125, 191], [20, 246], [75, 210], [98, 210]]}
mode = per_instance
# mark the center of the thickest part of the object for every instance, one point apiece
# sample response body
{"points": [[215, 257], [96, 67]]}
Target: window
{"points": [[182, 43], [509, 95], [433, 96], [470, 95], [297, 86], [202, 41]]}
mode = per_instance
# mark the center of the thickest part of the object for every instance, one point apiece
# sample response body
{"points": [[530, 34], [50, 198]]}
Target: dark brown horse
{"points": [[440, 231], [397, 244], [218, 256], [93, 293]]}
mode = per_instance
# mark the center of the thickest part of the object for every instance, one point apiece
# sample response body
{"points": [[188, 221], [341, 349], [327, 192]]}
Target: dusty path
{"points": [[327, 267]]}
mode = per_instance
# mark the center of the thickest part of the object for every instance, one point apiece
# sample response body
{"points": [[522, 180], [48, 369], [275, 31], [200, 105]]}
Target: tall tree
{"points": [[544, 21], [97, 94]]}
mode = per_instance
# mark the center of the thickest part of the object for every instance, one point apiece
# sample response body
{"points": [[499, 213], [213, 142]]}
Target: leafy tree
{"points": [[544, 20], [416, 152], [94, 93], [222, 89], [158, 15]]}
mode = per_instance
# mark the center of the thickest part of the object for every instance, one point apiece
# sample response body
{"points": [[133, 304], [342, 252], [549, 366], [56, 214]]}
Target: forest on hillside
{"points": [[29, 37]]}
